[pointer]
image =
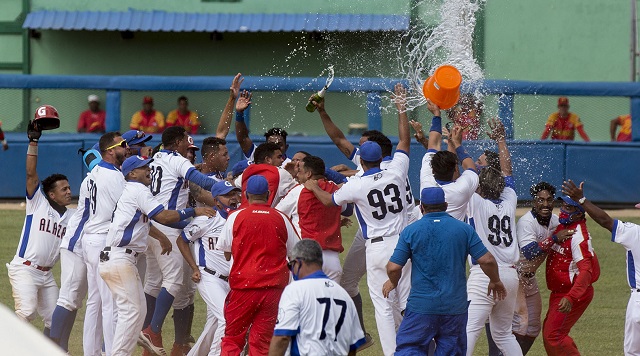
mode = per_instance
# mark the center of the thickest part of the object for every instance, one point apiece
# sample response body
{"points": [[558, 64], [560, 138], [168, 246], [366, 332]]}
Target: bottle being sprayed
{"points": [[319, 96]]}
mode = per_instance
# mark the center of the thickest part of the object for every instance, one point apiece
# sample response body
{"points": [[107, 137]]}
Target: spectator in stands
{"points": [[147, 119], [466, 113], [92, 120], [563, 124], [624, 121], [182, 116]]}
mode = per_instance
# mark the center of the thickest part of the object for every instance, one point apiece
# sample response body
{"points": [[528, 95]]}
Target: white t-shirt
{"points": [[319, 316], [106, 184], [457, 194], [628, 235], [130, 225], [380, 198], [495, 223], [204, 233], [72, 239], [42, 232]]}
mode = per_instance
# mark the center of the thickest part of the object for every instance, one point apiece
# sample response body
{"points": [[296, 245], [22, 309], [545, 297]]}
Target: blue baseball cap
{"points": [[136, 137], [239, 167], [432, 196], [134, 162], [571, 202], [222, 188], [370, 151], [257, 185]]}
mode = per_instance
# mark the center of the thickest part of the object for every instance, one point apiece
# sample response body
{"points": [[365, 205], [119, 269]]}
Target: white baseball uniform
{"points": [[32, 282], [213, 286], [355, 265], [456, 193], [73, 269], [628, 235], [381, 209], [126, 239], [106, 184], [319, 316], [526, 319], [494, 221]]}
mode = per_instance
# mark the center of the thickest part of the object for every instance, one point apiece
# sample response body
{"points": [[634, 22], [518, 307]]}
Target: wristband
{"points": [[462, 154], [436, 124], [582, 200], [32, 150], [186, 213], [240, 116]]}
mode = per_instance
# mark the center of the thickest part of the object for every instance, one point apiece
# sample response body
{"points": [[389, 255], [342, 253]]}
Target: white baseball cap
{"points": [[93, 97]]}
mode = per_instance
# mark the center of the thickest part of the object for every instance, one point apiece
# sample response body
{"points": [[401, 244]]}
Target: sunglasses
{"points": [[122, 144]]}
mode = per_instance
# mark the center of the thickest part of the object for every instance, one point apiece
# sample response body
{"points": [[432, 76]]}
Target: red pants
{"points": [[255, 308], [557, 325]]}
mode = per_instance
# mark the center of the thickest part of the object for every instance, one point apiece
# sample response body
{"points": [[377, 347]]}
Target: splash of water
{"points": [[425, 48]]}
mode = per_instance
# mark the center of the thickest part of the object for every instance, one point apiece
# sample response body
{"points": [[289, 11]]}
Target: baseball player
{"points": [[105, 185], [354, 266], [32, 282], [628, 235], [492, 213], [258, 238], [210, 270], [136, 141], [381, 208], [533, 227], [312, 219], [73, 270], [268, 161], [126, 239], [316, 316], [164, 286]]}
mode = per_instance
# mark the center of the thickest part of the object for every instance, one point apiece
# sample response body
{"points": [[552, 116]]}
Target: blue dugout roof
{"points": [[162, 21]]}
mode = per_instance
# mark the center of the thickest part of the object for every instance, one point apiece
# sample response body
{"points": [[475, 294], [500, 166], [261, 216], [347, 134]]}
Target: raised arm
{"points": [[224, 125], [455, 142], [498, 134], [33, 181], [419, 135], [404, 136], [336, 135], [598, 215], [435, 132], [242, 132]]}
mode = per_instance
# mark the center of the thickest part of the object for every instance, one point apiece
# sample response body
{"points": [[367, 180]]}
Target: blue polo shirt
{"points": [[438, 245]]}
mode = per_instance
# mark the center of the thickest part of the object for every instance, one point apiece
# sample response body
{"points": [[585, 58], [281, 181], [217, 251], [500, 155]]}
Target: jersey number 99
{"points": [[498, 227]]}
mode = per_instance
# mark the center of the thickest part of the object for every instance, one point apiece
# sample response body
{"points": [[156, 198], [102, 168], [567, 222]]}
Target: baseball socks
{"points": [[163, 305], [151, 307]]}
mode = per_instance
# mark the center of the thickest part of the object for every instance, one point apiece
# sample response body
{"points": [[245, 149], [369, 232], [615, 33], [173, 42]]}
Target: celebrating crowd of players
{"points": [[149, 231]]}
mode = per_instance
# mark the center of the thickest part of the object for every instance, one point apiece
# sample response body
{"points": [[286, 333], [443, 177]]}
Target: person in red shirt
{"points": [[148, 119], [562, 125], [268, 159], [92, 120], [314, 220], [258, 237], [184, 117], [624, 121], [572, 268]]}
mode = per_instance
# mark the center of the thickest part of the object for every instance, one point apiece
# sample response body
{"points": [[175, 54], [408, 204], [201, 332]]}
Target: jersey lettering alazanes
{"points": [[204, 233], [319, 316], [42, 232], [495, 223], [106, 184], [130, 225], [380, 198]]}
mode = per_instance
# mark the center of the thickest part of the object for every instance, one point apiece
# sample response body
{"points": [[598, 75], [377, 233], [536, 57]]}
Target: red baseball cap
{"points": [[147, 100], [563, 101]]}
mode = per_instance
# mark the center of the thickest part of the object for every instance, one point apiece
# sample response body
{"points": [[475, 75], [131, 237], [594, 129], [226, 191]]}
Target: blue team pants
{"points": [[417, 330]]}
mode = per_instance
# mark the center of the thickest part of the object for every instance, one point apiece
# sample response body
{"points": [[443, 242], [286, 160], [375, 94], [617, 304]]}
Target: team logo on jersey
{"points": [[194, 229], [328, 284], [377, 176], [280, 315]]}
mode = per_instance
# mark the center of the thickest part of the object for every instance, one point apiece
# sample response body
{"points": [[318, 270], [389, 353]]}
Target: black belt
{"points": [[126, 250], [377, 239], [214, 273]]}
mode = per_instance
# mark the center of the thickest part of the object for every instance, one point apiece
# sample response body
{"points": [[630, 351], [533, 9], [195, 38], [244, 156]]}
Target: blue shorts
{"points": [[417, 330]]}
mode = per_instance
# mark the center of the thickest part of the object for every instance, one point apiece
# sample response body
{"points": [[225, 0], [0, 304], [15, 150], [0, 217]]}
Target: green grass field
{"points": [[600, 331]]}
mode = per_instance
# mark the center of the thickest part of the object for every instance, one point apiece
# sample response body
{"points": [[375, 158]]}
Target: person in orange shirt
{"points": [[624, 121], [182, 116], [147, 119], [563, 124]]}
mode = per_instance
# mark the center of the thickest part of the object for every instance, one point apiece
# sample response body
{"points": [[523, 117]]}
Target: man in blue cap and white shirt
{"points": [[127, 237], [210, 269], [136, 140], [437, 306], [381, 205]]}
